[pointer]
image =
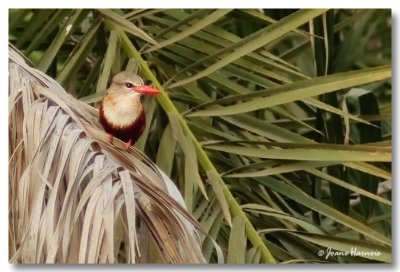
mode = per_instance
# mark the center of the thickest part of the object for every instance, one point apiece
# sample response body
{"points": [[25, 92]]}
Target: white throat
{"points": [[122, 108]]}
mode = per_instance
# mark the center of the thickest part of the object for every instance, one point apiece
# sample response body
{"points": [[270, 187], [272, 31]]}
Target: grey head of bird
{"points": [[126, 81]]}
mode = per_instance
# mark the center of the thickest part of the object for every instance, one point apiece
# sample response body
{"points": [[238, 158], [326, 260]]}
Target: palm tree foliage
{"points": [[274, 124], [77, 200]]}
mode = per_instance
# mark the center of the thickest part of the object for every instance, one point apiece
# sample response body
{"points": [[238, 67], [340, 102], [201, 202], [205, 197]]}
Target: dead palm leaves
{"points": [[76, 199]]}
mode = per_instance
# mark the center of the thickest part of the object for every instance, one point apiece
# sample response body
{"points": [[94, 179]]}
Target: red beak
{"points": [[145, 90]]}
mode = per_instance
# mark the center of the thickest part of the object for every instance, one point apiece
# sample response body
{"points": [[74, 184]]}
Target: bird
{"points": [[121, 112]]}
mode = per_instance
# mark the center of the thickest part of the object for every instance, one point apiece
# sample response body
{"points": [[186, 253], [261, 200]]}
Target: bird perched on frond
{"points": [[121, 111]]}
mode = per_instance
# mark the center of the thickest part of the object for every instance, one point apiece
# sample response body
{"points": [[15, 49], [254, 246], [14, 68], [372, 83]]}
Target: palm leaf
{"points": [[75, 192]]}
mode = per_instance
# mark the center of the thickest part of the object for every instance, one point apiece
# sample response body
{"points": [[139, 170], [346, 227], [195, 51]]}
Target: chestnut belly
{"points": [[125, 133]]}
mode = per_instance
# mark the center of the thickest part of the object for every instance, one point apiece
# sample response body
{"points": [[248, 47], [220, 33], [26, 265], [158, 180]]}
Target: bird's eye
{"points": [[129, 85]]}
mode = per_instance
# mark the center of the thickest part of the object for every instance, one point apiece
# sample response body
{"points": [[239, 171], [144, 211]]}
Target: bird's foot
{"points": [[110, 138], [128, 145]]}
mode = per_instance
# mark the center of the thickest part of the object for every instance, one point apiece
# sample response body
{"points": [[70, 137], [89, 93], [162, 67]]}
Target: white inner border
{"points": [[4, 266]]}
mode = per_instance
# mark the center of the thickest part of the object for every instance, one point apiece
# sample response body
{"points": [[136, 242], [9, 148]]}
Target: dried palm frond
{"points": [[76, 199]]}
